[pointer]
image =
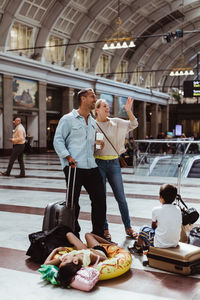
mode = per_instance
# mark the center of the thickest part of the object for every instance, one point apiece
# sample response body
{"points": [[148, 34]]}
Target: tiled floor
{"points": [[22, 203]]}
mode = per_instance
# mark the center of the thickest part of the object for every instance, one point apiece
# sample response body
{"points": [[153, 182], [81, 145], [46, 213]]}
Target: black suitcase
{"points": [[62, 212]]}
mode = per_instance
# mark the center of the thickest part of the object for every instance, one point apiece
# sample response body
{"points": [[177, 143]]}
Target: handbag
{"points": [[27, 147], [122, 161], [189, 215]]}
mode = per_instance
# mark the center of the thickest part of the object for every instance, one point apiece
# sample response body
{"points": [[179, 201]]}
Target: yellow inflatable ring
{"points": [[118, 262]]}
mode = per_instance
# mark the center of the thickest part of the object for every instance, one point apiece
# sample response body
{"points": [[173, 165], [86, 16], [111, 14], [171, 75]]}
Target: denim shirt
{"points": [[76, 138]]}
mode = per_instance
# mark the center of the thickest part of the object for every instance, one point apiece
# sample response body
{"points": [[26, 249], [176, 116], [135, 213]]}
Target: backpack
{"points": [[44, 242], [194, 236]]}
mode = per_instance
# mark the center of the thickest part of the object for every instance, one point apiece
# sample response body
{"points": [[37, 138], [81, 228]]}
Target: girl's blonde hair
{"points": [[98, 104]]}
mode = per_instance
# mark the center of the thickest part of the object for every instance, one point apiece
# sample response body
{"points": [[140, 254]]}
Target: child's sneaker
{"points": [[135, 249]]}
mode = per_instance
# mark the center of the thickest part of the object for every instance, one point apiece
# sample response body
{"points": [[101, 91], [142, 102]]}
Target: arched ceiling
{"points": [[91, 20]]}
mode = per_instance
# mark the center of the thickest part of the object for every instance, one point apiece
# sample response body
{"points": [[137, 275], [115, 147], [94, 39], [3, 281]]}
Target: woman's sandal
{"points": [[131, 233], [107, 235]]}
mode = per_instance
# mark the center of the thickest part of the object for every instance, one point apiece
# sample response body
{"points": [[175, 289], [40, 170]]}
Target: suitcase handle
{"points": [[73, 186]]}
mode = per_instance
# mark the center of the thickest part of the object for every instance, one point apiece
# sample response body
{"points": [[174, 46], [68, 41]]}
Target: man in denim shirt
{"points": [[74, 143]]}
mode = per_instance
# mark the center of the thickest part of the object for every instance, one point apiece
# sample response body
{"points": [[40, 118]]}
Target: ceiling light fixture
{"points": [[182, 68], [120, 39]]}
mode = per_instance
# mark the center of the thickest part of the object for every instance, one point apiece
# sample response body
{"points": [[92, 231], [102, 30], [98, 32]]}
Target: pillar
{"points": [[42, 122], [7, 111], [165, 118], [67, 100], [115, 106], [142, 127], [154, 120]]}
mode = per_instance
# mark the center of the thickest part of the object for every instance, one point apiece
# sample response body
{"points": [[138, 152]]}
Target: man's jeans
{"points": [[111, 170]]}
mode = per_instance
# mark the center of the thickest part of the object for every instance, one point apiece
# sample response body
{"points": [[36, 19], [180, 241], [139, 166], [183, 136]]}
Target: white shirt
{"points": [[169, 221], [116, 130]]}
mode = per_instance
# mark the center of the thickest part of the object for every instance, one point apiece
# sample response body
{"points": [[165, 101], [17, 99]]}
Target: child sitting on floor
{"points": [[166, 223], [70, 263]]}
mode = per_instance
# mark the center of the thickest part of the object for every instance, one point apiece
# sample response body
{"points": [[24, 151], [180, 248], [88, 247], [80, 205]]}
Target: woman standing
{"points": [[115, 129]]}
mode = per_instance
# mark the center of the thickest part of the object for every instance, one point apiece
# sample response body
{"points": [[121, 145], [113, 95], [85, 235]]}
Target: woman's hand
{"points": [[129, 104]]}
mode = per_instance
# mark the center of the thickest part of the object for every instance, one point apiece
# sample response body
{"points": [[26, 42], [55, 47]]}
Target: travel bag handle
{"points": [[73, 187], [179, 178]]}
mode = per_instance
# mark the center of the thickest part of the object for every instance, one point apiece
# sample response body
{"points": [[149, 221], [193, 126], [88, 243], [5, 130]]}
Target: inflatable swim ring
{"points": [[118, 262]]}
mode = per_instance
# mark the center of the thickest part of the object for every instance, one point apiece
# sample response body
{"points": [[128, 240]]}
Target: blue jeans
{"points": [[111, 170]]}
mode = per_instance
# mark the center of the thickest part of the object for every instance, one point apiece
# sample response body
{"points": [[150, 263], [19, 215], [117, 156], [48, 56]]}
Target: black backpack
{"points": [[194, 236], [44, 242]]}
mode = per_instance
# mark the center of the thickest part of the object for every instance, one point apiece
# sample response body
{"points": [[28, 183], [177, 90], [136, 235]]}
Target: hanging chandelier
{"points": [[120, 39], [182, 68]]}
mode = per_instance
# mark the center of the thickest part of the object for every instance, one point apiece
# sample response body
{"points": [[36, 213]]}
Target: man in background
{"points": [[18, 141]]}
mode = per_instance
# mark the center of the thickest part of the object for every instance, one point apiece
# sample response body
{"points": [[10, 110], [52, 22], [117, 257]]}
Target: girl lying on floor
{"points": [[83, 256]]}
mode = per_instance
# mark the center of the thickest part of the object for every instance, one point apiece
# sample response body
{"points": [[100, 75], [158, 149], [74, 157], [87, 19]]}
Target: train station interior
{"points": [[49, 51]]}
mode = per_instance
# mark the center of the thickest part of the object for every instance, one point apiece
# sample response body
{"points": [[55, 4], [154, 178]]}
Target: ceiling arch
{"points": [[91, 20]]}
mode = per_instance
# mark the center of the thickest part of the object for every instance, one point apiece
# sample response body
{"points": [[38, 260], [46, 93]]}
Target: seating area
{"points": [[22, 203]]}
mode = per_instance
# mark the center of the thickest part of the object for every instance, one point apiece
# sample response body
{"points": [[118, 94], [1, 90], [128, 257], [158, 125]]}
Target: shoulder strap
{"points": [[179, 199], [108, 139]]}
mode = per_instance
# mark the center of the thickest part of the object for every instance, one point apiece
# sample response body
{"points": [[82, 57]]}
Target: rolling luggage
{"points": [[62, 212], [183, 259]]}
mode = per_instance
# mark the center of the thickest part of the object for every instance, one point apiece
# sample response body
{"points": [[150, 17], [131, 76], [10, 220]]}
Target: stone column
{"points": [[67, 100], [154, 120], [165, 118], [42, 119], [115, 106], [7, 111], [142, 127]]}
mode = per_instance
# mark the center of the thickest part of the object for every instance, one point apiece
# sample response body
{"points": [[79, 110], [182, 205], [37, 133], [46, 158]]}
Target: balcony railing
{"points": [[162, 157]]}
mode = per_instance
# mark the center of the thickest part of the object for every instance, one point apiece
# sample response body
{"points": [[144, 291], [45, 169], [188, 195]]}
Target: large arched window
{"points": [[103, 65], [122, 69], [55, 54], [21, 36], [82, 59]]}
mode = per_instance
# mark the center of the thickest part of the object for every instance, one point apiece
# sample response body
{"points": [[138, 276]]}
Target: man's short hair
{"points": [[168, 192], [83, 92]]}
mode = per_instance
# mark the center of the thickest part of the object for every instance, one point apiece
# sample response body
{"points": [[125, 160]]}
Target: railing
{"points": [[162, 157]]}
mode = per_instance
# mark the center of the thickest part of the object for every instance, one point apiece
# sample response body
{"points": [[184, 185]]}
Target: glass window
{"points": [[82, 59], [149, 80], [137, 77], [55, 54], [103, 65], [122, 67], [21, 36]]}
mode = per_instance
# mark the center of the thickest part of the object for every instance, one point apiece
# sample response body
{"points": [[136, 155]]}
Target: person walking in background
{"points": [[74, 143], [114, 130], [18, 141]]}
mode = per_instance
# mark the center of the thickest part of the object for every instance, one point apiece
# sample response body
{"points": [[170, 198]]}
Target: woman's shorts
{"points": [[101, 248], [147, 235]]}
